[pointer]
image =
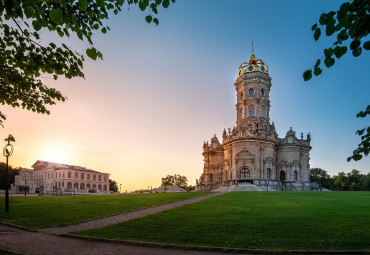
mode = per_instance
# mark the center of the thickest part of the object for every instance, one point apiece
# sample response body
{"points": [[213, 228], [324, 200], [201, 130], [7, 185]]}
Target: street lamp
{"points": [[120, 187], [7, 152], [25, 185]]}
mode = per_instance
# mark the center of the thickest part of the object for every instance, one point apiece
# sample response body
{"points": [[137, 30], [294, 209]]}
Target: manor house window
{"points": [[251, 92], [100, 178], [76, 175], [88, 176], [94, 177], [82, 176], [69, 174]]}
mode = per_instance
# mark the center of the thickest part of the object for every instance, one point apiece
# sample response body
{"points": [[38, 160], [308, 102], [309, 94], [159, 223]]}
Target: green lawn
{"points": [[260, 220], [61, 210], [4, 252]]}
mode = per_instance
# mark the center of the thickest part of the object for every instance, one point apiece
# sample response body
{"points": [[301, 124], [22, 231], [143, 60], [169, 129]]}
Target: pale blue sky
{"points": [[161, 91]]}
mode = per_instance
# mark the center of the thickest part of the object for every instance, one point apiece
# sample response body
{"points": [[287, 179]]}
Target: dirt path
{"points": [[98, 223], [36, 243]]}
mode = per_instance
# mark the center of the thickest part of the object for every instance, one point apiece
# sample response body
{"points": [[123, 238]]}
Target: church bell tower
{"points": [[253, 92]]}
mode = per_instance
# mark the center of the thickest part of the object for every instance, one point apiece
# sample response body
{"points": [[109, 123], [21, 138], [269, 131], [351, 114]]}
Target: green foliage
{"points": [[175, 180], [350, 24], [35, 212], [321, 176], [12, 172], [258, 220], [24, 58], [113, 186], [364, 147]]}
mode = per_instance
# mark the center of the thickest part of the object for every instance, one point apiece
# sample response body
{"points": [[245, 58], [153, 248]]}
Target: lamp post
{"points": [[7, 152], [120, 186], [25, 185]]}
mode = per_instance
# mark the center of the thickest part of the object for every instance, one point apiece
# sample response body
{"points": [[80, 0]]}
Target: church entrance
{"points": [[282, 175]]}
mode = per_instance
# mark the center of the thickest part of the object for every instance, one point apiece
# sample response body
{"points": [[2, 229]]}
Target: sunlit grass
{"points": [[260, 220], [62, 210]]}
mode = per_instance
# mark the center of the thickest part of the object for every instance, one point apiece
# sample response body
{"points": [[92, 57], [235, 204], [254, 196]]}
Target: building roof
{"points": [[58, 166]]}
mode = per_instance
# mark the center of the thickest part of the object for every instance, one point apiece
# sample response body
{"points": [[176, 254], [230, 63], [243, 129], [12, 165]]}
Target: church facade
{"points": [[251, 152]]}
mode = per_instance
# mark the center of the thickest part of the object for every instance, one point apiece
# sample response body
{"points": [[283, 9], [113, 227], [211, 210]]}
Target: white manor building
{"points": [[48, 178]]}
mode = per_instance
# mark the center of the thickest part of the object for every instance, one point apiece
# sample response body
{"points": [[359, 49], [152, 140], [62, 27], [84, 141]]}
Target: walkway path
{"points": [[98, 223], [36, 243], [44, 242]]}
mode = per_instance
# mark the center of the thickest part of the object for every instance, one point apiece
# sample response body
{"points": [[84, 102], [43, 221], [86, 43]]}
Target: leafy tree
{"points": [[175, 180], [12, 172], [350, 26], [321, 176], [24, 57], [339, 182], [113, 186]]}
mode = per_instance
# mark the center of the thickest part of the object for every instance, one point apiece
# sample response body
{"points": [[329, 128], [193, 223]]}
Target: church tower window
{"points": [[262, 92], [251, 92], [268, 173], [262, 111], [245, 173], [251, 111], [295, 175]]}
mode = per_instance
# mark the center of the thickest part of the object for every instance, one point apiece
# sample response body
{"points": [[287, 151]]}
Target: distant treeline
{"points": [[351, 181], [11, 173]]}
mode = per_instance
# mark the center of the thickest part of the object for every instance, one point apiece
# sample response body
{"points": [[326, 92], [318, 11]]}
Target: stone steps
{"points": [[243, 187]]}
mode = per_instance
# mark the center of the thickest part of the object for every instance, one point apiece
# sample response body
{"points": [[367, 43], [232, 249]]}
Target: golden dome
{"points": [[253, 65]]}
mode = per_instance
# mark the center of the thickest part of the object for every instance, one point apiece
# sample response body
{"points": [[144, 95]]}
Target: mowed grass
{"points": [[258, 220], [35, 212]]}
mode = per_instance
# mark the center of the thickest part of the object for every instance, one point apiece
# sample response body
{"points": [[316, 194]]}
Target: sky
{"points": [[144, 111]]}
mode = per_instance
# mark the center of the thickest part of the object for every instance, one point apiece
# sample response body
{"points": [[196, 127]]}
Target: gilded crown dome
{"points": [[253, 65]]}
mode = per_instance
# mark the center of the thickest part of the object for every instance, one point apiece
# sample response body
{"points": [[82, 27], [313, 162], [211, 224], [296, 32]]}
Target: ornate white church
{"points": [[251, 153]]}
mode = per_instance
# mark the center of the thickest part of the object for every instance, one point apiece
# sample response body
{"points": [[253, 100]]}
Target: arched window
{"points": [[220, 176], [88, 185], [251, 92], [245, 173], [262, 111], [94, 186], [210, 177], [250, 128], [282, 175], [76, 186], [295, 175], [251, 111], [105, 187], [82, 186], [99, 187], [262, 92], [69, 185], [244, 134], [268, 173]]}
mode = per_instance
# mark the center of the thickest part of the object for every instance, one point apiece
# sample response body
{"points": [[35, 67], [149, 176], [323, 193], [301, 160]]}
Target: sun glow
{"points": [[57, 153]]}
